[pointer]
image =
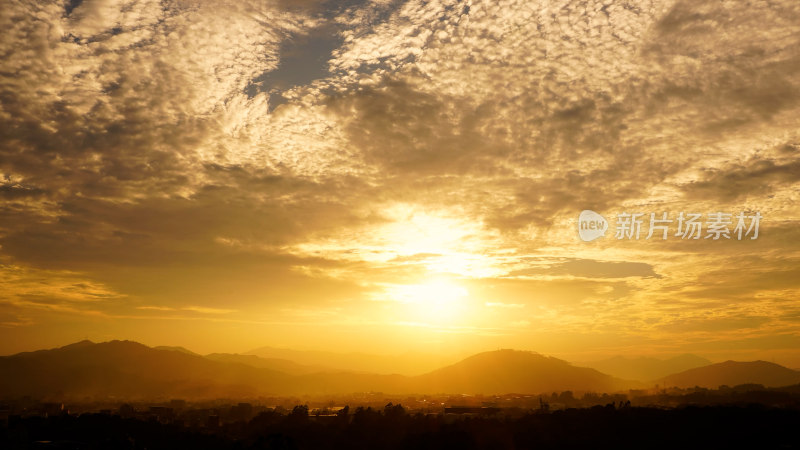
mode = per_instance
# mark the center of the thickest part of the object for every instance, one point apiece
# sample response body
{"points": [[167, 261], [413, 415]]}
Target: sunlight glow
{"points": [[440, 241], [436, 301]]}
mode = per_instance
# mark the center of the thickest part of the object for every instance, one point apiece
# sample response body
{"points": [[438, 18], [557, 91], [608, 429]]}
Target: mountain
{"points": [[501, 371], [732, 373], [647, 369], [405, 364], [129, 370], [175, 349], [280, 365], [506, 371]]}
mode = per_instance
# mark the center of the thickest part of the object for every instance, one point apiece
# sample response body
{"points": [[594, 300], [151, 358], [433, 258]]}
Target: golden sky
{"points": [[392, 176]]}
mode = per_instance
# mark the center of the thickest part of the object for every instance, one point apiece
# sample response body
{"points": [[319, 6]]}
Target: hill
{"points": [[515, 371], [732, 373], [129, 370], [175, 349], [408, 364], [280, 365], [645, 368]]}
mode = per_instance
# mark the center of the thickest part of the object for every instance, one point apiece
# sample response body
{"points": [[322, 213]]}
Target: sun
{"points": [[433, 302]]}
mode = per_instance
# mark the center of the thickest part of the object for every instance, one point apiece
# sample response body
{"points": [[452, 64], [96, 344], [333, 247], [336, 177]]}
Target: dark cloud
{"points": [[721, 57], [409, 132], [754, 178], [588, 268]]}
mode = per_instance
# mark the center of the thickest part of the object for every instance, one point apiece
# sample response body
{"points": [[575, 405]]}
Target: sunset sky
{"points": [[399, 176]]}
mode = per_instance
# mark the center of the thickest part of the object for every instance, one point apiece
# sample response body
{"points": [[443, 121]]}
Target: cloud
{"points": [[155, 308], [587, 268], [207, 310], [756, 177], [270, 156]]}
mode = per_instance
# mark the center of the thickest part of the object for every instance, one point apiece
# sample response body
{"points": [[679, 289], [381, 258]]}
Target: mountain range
{"points": [[733, 373], [129, 370], [647, 368], [404, 364]]}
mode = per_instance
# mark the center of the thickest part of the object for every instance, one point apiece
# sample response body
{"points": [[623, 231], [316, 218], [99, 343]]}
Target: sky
{"points": [[389, 176]]}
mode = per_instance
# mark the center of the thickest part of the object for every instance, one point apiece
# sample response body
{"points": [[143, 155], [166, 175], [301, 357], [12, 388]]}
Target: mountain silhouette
{"points": [[404, 364], [280, 365], [175, 349], [129, 370], [647, 368], [519, 372], [733, 373]]}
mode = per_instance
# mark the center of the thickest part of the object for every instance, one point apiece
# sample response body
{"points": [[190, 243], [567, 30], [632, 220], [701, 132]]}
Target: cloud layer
{"points": [[280, 167]]}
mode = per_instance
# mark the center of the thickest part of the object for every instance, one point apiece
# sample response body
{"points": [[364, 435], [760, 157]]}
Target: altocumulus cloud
{"points": [[139, 135]]}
